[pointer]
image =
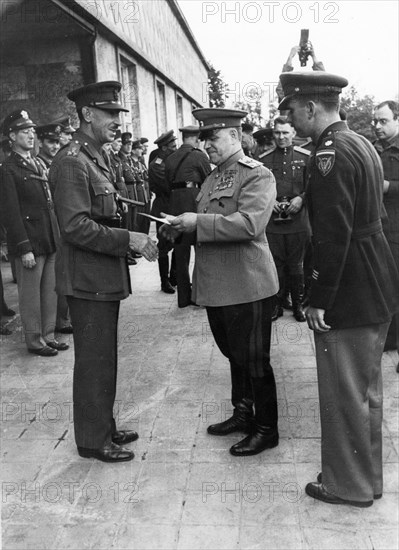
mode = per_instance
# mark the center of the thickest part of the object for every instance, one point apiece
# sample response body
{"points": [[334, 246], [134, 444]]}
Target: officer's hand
{"points": [[28, 260], [186, 223], [141, 243], [295, 205], [168, 232], [315, 319], [294, 51], [276, 208]]}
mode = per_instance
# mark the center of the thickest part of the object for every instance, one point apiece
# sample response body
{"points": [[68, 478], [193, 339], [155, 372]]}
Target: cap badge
{"points": [[24, 115], [57, 129], [329, 142], [116, 96]]}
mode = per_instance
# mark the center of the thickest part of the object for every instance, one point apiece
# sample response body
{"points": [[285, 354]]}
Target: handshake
{"points": [[174, 226]]}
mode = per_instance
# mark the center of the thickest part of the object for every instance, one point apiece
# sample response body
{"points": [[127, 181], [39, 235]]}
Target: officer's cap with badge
{"points": [[136, 144], [217, 118], [101, 95], [315, 83], [49, 131], [65, 123], [190, 130], [165, 138], [127, 137], [17, 120]]}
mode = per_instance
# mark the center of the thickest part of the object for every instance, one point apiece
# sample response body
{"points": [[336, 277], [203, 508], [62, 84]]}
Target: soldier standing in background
{"points": [[386, 126], [288, 230], [158, 185], [142, 187], [185, 171]]}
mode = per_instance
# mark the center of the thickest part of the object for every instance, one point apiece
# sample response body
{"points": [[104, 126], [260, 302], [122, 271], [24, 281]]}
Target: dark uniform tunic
{"points": [[356, 283], [94, 276], [130, 182], [185, 170], [389, 154], [27, 211]]}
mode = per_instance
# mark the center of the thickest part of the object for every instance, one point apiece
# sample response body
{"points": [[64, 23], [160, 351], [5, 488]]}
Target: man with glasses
{"points": [[386, 126]]}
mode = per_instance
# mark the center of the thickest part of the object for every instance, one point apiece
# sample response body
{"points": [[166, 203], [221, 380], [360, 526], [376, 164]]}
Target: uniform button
{"points": [[284, 162], [77, 141], [205, 210], [284, 173], [85, 144]]}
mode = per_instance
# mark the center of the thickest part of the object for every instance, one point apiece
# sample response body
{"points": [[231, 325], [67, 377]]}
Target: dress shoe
{"points": [[173, 280], [260, 439], [7, 312], [59, 346], [277, 312], [318, 491], [375, 497], [64, 330], [167, 288], [121, 437], [4, 331], [44, 352], [236, 423], [110, 453]]}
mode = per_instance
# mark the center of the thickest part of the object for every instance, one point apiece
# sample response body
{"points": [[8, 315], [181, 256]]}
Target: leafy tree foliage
{"points": [[217, 88], [359, 112]]}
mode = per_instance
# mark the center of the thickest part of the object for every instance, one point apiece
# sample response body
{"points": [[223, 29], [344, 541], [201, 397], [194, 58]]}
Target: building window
{"points": [[179, 111], [130, 98], [161, 107]]}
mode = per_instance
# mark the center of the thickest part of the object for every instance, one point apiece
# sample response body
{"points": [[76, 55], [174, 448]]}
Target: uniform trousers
{"points": [[95, 335], [63, 318], [243, 334], [288, 250], [37, 300], [350, 393]]}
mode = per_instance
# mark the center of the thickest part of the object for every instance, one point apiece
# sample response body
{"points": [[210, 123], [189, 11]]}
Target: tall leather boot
{"points": [[241, 398], [297, 289], [265, 431], [278, 308], [163, 266]]}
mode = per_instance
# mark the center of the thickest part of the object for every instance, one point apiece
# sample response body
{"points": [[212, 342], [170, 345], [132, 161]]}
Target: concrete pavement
{"points": [[183, 490]]}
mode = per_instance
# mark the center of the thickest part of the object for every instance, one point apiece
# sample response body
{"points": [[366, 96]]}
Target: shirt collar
{"points": [[231, 160]]}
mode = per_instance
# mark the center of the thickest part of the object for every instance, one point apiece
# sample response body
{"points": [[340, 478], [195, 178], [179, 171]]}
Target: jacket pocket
{"points": [[96, 273], [103, 205]]}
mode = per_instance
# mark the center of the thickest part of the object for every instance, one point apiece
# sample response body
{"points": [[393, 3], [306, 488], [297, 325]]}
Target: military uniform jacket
{"points": [[354, 278], [91, 261], [233, 263], [390, 162], [27, 208], [117, 174], [141, 181], [288, 166], [159, 185]]}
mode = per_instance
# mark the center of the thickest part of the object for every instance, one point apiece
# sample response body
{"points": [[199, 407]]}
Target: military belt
{"points": [[367, 230], [185, 185], [110, 222]]}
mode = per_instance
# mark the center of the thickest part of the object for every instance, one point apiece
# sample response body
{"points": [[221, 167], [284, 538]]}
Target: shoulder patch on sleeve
{"points": [[325, 160], [158, 161], [251, 163], [302, 150]]}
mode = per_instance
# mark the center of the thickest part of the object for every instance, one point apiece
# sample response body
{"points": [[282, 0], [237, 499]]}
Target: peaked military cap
{"points": [[216, 118], [263, 133], [17, 120], [65, 123], [143, 140], [102, 95], [190, 130], [299, 83], [136, 144], [126, 137], [247, 127], [49, 131], [165, 138]]}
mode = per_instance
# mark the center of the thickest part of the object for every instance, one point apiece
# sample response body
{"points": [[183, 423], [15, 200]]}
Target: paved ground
{"points": [[183, 490]]}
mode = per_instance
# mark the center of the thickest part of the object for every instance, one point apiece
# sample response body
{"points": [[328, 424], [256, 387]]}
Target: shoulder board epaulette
{"points": [[73, 148], [268, 152], [251, 163], [158, 160], [302, 150]]}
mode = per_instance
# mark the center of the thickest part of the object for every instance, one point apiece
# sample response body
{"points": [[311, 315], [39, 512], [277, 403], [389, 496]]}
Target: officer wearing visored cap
{"points": [[354, 289], [234, 275], [49, 143], [93, 268], [27, 212]]}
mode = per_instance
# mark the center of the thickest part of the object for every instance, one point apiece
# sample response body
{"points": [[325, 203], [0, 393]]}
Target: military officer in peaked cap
{"points": [[354, 289], [93, 268], [159, 186], [185, 171], [234, 275], [49, 143], [66, 131], [32, 234]]}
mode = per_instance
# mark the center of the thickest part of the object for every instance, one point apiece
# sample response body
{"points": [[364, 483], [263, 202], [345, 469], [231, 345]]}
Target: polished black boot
{"points": [[241, 421], [163, 265], [264, 434], [297, 297]]}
